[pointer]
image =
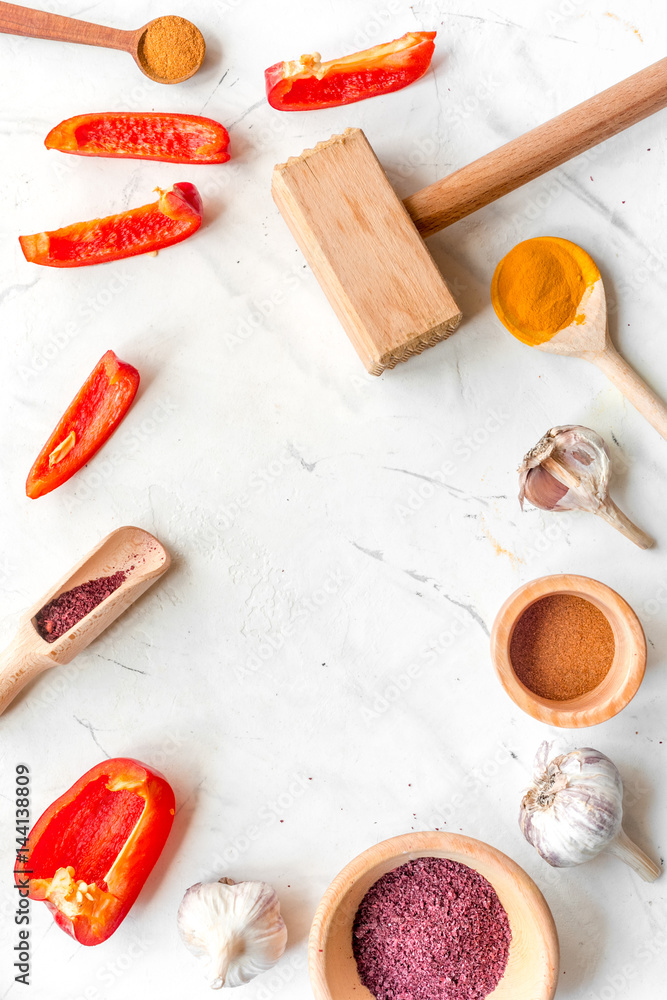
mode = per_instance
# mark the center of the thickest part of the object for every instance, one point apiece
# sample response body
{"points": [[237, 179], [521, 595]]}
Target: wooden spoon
{"points": [[130, 549], [15, 20], [588, 337]]}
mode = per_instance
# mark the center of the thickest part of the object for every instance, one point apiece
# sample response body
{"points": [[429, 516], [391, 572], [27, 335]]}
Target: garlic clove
{"points": [[541, 489], [235, 928], [569, 469]]}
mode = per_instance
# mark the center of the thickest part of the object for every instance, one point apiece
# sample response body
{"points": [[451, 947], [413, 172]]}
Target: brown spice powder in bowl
{"points": [[562, 647], [171, 49]]}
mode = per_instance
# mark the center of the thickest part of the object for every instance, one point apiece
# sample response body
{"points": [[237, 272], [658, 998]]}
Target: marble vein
{"points": [[93, 732]]}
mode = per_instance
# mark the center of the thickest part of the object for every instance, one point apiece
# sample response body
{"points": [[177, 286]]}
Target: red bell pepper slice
{"points": [[148, 135], [175, 216], [89, 854], [307, 83], [89, 420]]}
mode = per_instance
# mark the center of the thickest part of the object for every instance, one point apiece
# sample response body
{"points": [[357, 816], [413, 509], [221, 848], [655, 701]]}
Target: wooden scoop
{"points": [[130, 549], [15, 20], [366, 247], [587, 336]]}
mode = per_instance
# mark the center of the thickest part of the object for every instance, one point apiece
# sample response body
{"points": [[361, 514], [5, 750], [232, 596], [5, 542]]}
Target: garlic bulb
{"points": [[569, 469], [235, 928], [573, 811]]}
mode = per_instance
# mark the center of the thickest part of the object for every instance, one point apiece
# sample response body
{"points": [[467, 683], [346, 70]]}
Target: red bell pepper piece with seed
{"points": [[307, 83], [175, 216], [89, 420], [89, 854], [149, 135]]}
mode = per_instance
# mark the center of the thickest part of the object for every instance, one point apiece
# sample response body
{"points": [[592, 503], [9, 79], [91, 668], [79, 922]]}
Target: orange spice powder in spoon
{"points": [[538, 286], [171, 48]]}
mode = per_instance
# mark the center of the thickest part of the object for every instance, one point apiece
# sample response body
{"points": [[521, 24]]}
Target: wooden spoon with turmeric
{"points": [[167, 50], [549, 294]]}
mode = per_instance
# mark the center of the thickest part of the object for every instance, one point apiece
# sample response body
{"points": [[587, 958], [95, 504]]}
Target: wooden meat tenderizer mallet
{"points": [[366, 247], [29, 654]]}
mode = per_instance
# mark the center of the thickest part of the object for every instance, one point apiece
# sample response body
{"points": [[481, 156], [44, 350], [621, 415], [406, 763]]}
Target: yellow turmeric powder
{"points": [[538, 286]]}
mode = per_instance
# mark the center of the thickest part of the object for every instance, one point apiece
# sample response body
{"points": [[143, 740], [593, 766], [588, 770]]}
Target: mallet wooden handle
{"points": [[16, 20], [539, 150]]}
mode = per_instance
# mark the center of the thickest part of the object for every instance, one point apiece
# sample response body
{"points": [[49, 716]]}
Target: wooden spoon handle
{"points": [[538, 151], [15, 20], [633, 387], [19, 664]]}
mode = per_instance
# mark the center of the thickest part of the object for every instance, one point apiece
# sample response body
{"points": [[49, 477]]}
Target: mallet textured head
{"points": [[365, 251]]}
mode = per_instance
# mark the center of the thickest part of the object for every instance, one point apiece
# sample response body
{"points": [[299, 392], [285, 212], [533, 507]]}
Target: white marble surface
{"points": [[317, 552]]}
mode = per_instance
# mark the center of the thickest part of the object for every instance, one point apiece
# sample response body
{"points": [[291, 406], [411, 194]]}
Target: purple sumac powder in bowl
{"points": [[432, 929]]}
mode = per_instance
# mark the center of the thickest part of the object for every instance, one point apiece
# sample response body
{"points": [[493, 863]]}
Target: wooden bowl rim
{"points": [[420, 844], [570, 714]]}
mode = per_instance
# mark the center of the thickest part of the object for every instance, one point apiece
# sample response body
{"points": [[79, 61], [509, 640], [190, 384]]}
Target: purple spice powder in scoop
{"points": [[432, 929], [62, 614]]}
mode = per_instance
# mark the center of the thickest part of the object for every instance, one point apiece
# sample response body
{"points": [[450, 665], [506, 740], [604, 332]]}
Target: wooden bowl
{"points": [[625, 674], [532, 966]]}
